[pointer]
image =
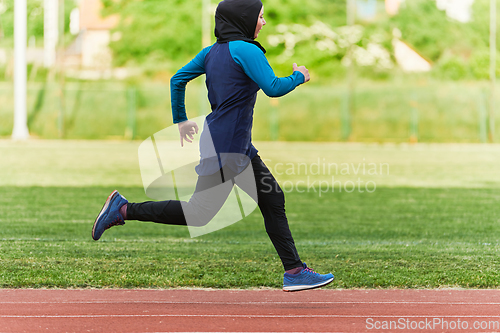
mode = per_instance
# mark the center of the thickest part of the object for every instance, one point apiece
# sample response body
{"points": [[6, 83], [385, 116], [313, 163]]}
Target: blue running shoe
{"points": [[109, 215], [306, 279]]}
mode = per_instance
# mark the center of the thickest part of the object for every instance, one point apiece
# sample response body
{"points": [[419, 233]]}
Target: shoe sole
{"points": [[307, 287], [104, 208]]}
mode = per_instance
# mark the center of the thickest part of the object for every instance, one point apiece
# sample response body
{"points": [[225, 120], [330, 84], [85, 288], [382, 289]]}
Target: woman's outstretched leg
{"points": [[164, 212], [210, 194]]}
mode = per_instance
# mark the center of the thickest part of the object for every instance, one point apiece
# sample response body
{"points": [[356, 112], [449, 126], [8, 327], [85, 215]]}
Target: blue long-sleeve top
{"points": [[235, 72]]}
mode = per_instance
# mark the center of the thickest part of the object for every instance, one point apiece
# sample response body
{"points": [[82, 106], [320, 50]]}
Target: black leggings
{"points": [[271, 201]]}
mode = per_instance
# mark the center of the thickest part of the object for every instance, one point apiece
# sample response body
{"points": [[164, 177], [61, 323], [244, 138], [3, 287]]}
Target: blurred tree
{"points": [[158, 29], [35, 18], [164, 34], [280, 13], [433, 34], [171, 29], [459, 50]]}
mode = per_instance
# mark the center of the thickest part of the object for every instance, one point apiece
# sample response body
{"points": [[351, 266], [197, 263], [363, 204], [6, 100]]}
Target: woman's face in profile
{"points": [[260, 23]]}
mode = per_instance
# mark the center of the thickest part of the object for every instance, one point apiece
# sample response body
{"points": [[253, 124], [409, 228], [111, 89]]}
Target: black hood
{"points": [[237, 20]]}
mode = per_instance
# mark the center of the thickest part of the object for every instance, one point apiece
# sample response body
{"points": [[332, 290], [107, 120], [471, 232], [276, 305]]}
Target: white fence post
{"points": [[20, 131]]}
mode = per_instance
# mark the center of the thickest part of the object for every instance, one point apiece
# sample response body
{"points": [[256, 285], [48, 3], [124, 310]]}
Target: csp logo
{"points": [[211, 197]]}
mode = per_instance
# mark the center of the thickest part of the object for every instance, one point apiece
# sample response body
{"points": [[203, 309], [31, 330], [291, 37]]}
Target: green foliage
{"points": [[290, 12], [480, 64], [35, 18], [161, 30], [167, 33], [161, 36], [426, 28], [170, 30], [298, 11], [458, 50], [453, 68]]}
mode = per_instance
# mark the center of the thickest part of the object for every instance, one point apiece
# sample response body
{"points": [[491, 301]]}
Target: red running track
{"points": [[182, 310]]}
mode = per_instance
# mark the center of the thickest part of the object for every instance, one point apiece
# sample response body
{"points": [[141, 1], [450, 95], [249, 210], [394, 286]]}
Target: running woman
{"points": [[236, 68]]}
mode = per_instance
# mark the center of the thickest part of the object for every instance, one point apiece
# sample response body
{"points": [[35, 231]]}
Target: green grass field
{"points": [[432, 221]]}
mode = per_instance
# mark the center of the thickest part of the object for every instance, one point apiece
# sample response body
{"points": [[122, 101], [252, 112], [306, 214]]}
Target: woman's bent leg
{"points": [[271, 201]]}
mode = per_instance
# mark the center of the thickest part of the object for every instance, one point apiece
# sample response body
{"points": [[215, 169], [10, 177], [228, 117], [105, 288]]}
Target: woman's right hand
{"points": [[303, 70], [187, 130]]}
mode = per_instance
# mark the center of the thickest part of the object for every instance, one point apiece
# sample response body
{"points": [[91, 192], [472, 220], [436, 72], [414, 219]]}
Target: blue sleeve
{"points": [[192, 70], [255, 64]]}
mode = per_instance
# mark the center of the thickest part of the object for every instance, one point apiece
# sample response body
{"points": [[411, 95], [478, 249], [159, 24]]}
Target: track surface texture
{"points": [[182, 310]]}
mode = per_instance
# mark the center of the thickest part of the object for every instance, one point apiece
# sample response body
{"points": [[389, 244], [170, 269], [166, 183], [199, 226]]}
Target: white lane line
{"points": [[246, 316], [250, 303]]}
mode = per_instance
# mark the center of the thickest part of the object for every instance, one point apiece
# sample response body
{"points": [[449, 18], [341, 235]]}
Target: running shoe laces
{"points": [[307, 269], [117, 221]]}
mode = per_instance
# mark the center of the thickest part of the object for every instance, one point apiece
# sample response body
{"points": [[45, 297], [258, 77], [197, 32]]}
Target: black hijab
{"points": [[237, 20]]}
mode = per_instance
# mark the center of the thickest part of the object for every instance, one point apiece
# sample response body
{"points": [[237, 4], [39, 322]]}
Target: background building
{"points": [[90, 49]]}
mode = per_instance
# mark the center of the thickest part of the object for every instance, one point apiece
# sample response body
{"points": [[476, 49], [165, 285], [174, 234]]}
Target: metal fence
{"points": [[387, 112]]}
